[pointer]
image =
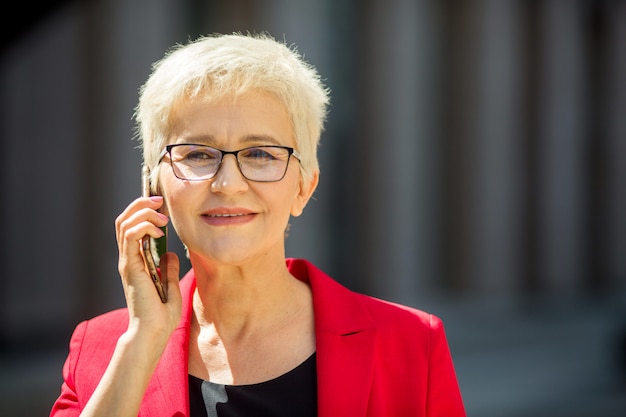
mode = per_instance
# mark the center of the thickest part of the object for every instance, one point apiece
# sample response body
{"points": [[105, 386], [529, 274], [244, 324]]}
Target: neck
{"points": [[236, 302]]}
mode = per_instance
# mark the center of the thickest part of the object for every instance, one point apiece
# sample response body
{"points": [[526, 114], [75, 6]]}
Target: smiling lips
{"points": [[224, 216], [227, 214]]}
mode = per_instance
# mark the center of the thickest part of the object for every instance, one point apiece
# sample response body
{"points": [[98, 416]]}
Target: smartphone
{"points": [[153, 248]]}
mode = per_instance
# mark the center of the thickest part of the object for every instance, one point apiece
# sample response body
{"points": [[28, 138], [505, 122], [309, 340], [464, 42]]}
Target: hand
{"points": [[139, 349], [146, 311]]}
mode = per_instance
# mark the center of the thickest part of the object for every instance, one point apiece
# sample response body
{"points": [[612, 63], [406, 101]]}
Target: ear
{"points": [[303, 193]]}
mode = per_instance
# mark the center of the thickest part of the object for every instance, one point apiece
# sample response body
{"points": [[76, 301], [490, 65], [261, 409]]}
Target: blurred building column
{"points": [[562, 124], [497, 152], [400, 158], [40, 81], [614, 224]]}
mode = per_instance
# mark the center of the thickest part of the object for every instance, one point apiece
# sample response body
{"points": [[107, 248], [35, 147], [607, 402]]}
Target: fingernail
{"points": [[156, 198], [163, 216]]}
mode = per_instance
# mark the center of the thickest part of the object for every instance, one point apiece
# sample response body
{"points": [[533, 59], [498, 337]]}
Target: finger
{"points": [[139, 224], [170, 267], [130, 246], [131, 258], [153, 203]]}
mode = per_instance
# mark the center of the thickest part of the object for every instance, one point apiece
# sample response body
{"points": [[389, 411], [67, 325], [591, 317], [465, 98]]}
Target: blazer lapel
{"points": [[345, 339], [344, 373]]}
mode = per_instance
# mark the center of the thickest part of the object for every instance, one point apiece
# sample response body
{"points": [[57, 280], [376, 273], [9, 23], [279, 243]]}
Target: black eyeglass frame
{"points": [[168, 151]]}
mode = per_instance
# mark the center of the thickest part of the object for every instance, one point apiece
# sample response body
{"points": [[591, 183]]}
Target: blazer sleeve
{"points": [[67, 404], [90, 350], [444, 396]]}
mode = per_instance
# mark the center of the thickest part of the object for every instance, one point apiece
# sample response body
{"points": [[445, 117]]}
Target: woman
{"points": [[230, 126]]}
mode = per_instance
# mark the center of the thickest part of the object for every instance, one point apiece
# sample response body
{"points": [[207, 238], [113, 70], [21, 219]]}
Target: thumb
{"points": [[171, 266]]}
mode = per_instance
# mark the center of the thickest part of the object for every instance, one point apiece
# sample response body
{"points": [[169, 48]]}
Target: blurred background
{"points": [[473, 165]]}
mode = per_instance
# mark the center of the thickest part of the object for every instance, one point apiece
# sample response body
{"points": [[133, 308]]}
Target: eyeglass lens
{"points": [[260, 163]]}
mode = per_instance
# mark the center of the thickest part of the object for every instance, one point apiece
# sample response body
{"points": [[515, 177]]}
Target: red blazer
{"points": [[374, 358]]}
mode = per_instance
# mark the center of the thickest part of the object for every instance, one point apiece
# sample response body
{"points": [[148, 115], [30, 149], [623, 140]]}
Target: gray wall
{"points": [[474, 165]]}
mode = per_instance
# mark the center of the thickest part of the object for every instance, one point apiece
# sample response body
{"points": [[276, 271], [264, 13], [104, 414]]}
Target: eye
{"points": [[258, 153], [199, 156], [196, 156], [264, 154]]}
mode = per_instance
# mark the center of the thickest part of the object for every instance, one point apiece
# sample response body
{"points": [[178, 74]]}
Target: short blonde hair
{"points": [[219, 66]]}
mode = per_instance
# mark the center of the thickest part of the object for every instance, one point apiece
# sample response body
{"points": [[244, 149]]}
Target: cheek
{"points": [[179, 219], [176, 202], [174, 197]]}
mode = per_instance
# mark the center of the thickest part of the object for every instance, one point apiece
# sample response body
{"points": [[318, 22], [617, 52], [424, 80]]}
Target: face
{"points": [[229, 219]]}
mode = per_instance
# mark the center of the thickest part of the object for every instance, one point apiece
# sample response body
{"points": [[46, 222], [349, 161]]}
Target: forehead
{"points": [[256, 113]]}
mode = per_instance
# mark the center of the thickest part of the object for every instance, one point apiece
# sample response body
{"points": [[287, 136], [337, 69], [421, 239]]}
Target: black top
{"points": [[291, 394]]}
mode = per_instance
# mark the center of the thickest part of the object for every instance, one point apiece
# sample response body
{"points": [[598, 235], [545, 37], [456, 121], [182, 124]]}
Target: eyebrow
{"points": [[248, 139], [264, 139]]}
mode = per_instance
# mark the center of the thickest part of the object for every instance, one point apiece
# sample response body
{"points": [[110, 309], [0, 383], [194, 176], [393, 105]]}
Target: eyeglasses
{"points": [[258, 163]]}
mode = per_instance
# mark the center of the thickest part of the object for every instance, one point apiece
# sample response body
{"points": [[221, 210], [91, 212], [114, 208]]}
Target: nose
{"points": [[228, 179]]}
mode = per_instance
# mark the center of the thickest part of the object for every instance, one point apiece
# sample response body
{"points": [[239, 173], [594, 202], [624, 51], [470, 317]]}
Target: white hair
{"points": [[218, 66]]}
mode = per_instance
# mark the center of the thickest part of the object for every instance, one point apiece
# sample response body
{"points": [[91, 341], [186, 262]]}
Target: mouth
{"points": [[226, 214]]}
